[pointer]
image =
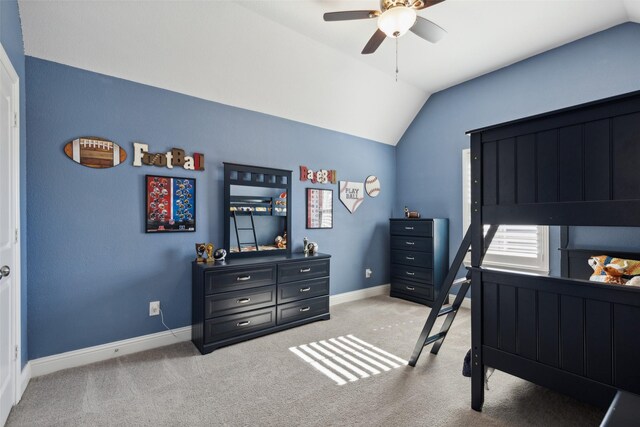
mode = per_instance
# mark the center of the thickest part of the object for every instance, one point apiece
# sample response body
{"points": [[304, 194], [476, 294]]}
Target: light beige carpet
{"points": [[262, 383]]}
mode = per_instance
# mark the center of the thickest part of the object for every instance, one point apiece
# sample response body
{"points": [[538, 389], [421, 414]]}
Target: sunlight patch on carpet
{"points": [[347, 358]]}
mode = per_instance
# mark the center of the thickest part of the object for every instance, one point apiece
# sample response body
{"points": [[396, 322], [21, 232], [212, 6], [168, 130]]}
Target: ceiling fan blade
{"points": [[349, 15], [428, 3], [428, 30], [374, 42]]}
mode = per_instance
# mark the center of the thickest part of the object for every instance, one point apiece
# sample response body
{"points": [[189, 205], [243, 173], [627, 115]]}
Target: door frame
{"points": [[16, 336]]}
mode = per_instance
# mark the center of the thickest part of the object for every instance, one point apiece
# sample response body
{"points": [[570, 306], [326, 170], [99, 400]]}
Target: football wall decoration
{"points": [[171, 204], [351, 194], [94, 152], [173, 157]]}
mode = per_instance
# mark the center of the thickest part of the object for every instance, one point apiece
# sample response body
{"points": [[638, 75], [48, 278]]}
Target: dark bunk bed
{"points": [[573, 167]]}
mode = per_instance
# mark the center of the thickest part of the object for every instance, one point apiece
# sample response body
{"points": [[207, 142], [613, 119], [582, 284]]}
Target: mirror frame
{"points": [[254, 173]]}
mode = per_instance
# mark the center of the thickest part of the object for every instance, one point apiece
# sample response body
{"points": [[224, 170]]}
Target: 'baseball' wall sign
{"points": [[351, 194], [323, 176], [174, 157]]}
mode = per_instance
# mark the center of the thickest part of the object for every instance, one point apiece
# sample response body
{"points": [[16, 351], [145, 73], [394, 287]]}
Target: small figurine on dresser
{"points": [[201, 248], [411, 214], [312, 248], [210, 252], [305, 246], [219, 255]]}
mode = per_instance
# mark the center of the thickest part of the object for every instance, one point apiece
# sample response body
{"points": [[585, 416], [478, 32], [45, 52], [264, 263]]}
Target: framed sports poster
{"points": [[319, 208], [171, 204]]}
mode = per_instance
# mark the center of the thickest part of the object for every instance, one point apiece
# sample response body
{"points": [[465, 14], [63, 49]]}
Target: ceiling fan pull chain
{"points": [[396, 59]]}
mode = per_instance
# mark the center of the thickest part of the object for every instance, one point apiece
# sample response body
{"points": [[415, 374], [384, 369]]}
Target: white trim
{"points": [[466, 302], [98, 353], [25, 377], [359, 294], [16, 339]]}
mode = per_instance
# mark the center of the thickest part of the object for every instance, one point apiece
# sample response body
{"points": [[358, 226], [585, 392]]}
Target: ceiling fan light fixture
{"points": [[396, 21]]}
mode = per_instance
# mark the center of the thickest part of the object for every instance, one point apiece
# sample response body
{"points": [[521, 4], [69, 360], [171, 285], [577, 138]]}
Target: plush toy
{"points": [[614, 273]]}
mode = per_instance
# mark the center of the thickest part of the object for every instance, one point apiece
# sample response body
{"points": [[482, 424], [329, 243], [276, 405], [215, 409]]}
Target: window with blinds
{"points": [[520, 247]]}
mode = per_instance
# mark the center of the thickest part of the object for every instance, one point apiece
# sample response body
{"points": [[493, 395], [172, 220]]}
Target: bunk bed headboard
{"points": [[575, 166]]}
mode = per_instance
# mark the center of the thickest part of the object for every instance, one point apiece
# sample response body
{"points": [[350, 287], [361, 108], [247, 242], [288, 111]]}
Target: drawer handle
{"points": [[305, 270], [410, 258], [243, 278], [410, 288], [409, 273], [243, 300], [408, 228], [305, 289], [245, 323], [410, 243], [305, 309]]}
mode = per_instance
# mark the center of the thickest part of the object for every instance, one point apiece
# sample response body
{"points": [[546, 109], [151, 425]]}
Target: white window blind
{"points": [[514, 246]]}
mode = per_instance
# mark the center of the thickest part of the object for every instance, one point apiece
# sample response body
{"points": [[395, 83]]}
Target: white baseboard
{"points": [[85, 356], [466, 302], [98, 353], [25, 377], [359, 294]]}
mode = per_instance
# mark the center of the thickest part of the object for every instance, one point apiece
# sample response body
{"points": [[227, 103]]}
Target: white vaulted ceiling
{"points": [[279, 57]]}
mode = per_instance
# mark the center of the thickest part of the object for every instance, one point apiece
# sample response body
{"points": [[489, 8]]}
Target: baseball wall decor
{"points": [[94, 152], [174, 157], [372, 185], [171, 204], [323, 176], [351, 194]]}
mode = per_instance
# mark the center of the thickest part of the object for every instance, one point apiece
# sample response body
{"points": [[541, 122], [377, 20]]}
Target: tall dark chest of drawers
{"points": [[247, 298], [419, 258]]}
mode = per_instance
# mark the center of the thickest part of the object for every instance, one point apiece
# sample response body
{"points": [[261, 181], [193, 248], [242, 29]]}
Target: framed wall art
{"points": [[170, 205], [319, 208]]}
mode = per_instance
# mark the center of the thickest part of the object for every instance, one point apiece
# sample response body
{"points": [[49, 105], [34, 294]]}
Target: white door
{"points": [[8, 240]]}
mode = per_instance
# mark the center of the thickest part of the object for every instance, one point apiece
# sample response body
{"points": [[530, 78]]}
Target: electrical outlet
{"points": [[367, 273], [154, 308]]}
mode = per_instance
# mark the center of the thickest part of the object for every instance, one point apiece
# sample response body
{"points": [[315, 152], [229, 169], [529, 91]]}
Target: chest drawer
{"points": [[412, 228], [413, 289], [303, 270], [235, 302], [240, 278], [302, 309], [409, 243], [412, 273], [300, 290], [233, 325], [419, 259]]}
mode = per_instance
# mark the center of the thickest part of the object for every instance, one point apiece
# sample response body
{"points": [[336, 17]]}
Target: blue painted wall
{"points": [[93, 270], [429, 159], [11, 39]]}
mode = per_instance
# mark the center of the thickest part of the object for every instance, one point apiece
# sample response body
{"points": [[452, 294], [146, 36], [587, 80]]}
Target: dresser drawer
{"points": [[235, 302], [293, 271], [409, 243], [413, 289], [302, 309], [419, 259], [240, 278], [233, 325], [412, 273], [300, 290], [412, 228]]}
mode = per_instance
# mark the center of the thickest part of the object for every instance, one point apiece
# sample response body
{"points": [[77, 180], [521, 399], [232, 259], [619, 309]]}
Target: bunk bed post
{"points": [[564, 257], [477, 250]]}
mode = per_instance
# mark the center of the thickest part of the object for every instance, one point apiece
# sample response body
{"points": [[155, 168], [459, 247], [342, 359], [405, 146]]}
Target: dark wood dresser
{"points": [[245, 298], [419, 258]]}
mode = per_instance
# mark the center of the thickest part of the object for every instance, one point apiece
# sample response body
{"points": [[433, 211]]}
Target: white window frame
{"points": [[527, 264]]}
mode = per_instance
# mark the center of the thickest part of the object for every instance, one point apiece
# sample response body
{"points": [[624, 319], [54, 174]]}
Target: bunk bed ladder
{"points": [[437, 310], [252, 229]]}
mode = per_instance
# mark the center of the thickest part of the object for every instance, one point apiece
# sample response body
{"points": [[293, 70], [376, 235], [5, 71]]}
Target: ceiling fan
{"points": [[395, 18]]}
